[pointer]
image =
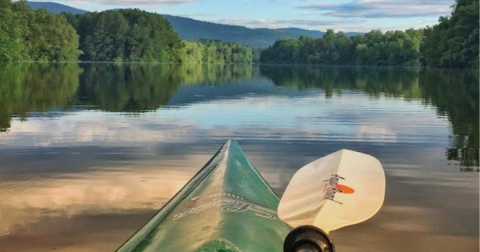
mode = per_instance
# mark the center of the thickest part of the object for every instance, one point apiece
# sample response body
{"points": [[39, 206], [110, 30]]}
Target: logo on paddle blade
{"points": [[333, 187]]}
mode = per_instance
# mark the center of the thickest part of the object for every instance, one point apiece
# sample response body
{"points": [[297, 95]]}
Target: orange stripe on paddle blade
{"points": [[345, 189]]}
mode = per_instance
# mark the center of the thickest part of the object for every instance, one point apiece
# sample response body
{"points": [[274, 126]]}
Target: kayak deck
{"points": [[227, 206]]}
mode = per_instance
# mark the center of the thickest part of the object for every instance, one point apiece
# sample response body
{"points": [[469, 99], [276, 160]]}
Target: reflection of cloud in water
{"points": [[272, 117], [92, 193], [426, 201]]}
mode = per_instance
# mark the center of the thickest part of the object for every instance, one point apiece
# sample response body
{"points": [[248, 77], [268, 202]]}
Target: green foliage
{"points": [[126, 35], [216, 52], [135, 35], [12, 32], [454, 41], [26, 34], [373, 48]]}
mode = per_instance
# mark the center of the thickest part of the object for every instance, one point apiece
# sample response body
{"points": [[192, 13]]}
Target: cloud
{"points": [[198, 15], [100, 5], [93, 193], [143, 2], [383, 8], [285, 23], [345, 25]]}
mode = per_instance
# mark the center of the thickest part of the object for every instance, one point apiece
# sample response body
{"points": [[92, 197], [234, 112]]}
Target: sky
{"points": [[344, 15]]}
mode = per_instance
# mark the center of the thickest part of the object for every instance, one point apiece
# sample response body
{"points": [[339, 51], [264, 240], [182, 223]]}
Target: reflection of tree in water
{"points": [[127, 87], [144, 87], [28, 88], [453, 92], [374, 81], [215, 74]]}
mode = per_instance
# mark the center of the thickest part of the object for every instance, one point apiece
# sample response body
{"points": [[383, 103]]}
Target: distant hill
{"points": [[298, 32], [310, 33], [55, 7], [191, 29]]}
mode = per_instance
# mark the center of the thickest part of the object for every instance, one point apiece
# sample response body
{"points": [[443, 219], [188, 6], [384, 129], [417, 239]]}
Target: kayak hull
{"points": [[227, 206]]}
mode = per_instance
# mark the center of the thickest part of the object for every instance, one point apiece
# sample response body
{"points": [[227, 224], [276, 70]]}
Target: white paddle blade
{"points": [[338, 190]]}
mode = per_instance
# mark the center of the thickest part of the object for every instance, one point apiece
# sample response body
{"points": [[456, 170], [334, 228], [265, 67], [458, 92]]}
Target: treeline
{"points": [[126, 35], [373, 48], [453, 42], [135, 36], [115, 35], [28, 35], [217, 52]]}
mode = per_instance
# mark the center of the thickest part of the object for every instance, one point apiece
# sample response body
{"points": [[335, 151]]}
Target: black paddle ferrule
{"points": [[308, 239]]}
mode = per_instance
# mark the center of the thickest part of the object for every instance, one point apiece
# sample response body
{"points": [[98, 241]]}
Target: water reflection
{"points": [[91, 151], [86, 194], [29, 88], [137, 88], [453, 92]]}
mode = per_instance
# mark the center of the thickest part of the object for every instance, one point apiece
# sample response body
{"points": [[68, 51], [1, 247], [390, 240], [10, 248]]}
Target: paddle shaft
{"points": [[307, 247], [308, 239]]}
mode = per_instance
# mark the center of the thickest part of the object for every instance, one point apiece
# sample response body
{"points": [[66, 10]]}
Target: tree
{"points": [[454, 41], [216, 52], [39, 35], [126, 35], [12, 31]]}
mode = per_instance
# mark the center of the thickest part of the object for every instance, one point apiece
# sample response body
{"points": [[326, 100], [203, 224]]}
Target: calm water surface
{"points": [[88, 153]]}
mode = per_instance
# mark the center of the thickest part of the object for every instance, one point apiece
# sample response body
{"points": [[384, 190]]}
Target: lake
{"points": [[89, 152]]}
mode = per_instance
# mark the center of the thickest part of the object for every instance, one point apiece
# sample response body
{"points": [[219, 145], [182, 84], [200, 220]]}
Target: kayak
{"points": [[227, 206]]}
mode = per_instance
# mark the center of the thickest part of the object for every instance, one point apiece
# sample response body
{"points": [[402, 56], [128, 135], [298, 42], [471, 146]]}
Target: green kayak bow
{"points": [[228, 207]]}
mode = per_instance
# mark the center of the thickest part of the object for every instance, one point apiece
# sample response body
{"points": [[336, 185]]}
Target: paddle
{"points": [[338, 190]]}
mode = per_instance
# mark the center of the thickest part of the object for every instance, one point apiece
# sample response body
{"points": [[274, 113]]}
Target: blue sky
{"points": [[345, 15]]}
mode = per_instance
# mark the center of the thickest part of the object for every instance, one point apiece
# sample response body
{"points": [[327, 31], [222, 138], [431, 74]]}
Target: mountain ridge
{"points": [[192, 29], [55, 7]]}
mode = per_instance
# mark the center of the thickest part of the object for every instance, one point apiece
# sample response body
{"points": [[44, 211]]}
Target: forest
{"points": [[132, 35], [453, 42], [125, 35], [217, 52], [28, 35], [373, 48], [116, 35]]}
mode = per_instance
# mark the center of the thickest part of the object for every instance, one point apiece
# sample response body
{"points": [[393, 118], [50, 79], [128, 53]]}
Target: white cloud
{"points": [[383, 8], [143, 2], [320, 25]]}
